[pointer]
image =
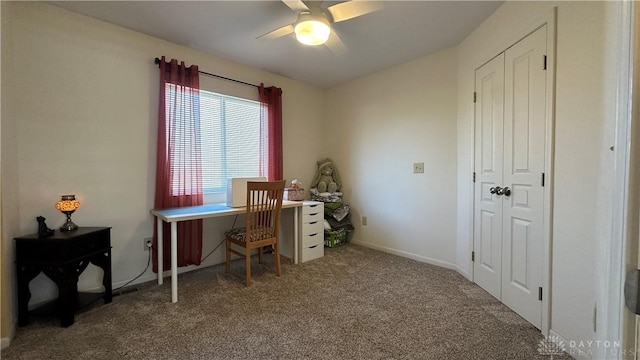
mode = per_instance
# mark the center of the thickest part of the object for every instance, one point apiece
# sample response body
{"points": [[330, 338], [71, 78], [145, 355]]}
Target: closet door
{"points": [[524, 150], [509, 164], [488, 164]]}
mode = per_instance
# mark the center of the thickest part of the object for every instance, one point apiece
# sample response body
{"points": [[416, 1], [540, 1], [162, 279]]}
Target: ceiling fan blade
{"points": [[280, 32], [354, 8], [335, 44], [296, 5]]}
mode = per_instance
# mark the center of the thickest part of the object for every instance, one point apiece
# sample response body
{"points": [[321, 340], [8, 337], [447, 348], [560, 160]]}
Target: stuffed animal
{"points": [[327, 178]]}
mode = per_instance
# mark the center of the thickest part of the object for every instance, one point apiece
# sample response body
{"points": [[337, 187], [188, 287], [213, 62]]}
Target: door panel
{"points": [[488, 164], [524, 143]]}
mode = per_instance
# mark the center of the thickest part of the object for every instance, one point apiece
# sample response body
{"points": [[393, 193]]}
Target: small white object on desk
{"points": [[237, 190]]}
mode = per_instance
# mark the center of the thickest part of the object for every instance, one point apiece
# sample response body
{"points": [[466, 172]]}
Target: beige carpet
{"points": [[355, 303]]}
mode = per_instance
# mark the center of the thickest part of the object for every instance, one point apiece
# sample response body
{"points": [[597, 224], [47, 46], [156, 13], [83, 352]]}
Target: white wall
{"points": [[586, 50], [9, 188], [84, 107], [377, 127]]}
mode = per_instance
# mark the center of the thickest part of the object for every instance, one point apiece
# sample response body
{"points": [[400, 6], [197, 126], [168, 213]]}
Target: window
{"points": [[233, 141], [232, 138]]}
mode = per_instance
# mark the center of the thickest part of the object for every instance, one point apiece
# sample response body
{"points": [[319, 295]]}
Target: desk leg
{"points": [[296, 236], [159, 248], [174, 262]]}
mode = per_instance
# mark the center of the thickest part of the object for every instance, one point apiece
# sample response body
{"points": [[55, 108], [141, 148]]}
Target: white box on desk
{"points": [[237, 190]]}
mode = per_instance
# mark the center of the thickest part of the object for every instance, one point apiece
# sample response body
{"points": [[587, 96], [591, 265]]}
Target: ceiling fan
{"points": [[314, 24]]}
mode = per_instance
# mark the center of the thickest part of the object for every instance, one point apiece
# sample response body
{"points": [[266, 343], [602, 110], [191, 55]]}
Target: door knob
{"points": [[506, 191], [496, 190]]}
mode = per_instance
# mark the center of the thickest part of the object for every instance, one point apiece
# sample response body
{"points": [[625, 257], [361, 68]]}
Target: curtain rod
{"points": [[217, 76]]}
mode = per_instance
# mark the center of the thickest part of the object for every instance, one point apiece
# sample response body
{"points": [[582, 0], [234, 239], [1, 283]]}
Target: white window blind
{"points": [[233, 140]]}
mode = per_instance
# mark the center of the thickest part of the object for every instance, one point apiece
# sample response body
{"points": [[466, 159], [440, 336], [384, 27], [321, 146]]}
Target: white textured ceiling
{"points": [[400, 32]]}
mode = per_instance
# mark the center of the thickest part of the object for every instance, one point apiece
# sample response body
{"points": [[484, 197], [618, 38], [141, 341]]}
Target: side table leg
{"points": [[25, 275], [68, 300], [106, 278], [103, 261]]}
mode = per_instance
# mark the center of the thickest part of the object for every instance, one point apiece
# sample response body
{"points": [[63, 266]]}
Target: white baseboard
{"points": [[4, 342], [150, 276], [154, 277], [464, 273], [405, 254]]}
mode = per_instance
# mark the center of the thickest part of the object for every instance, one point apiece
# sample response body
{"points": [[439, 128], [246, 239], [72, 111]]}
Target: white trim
{"points": [[547, 217], [154, 276], [464, 273], [622, 252], [5, 342], [148, 277], [408, 255]]}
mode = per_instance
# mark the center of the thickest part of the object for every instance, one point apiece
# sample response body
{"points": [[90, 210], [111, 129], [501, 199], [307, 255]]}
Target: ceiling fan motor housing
{"points": [[312, 27]]}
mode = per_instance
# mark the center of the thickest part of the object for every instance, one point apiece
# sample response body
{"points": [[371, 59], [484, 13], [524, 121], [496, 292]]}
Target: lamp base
{"points": [[68, 226]]}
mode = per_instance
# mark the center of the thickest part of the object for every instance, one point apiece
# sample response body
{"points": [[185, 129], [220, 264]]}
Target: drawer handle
{"points": [[313, 247], [312, 206], [314, 214], [314, 222], [313, 234]]}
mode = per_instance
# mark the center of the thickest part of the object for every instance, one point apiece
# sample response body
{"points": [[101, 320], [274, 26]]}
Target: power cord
{"points": [[217, 246], [149, 259], [137, 277]]}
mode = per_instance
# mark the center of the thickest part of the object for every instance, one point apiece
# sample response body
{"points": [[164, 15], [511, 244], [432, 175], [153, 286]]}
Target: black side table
{"points": [[63, 257]]}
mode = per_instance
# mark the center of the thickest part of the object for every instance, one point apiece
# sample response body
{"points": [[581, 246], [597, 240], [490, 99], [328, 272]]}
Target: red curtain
{"points": [[271, 101], [179, 168]]}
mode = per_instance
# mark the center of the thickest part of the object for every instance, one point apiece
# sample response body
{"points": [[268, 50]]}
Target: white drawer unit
{"points": [[311, 231]]}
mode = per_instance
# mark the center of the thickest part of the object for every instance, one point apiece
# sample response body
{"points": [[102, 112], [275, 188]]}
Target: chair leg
{"points": [[248, 265], [260, 255], [277, 257], [228, 251]]}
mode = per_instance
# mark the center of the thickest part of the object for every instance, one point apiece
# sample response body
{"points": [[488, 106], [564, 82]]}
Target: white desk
{"points": [[175, 215]]}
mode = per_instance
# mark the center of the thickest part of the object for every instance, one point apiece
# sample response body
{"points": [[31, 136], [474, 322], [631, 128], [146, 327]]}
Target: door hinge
{"points": [[544, 62], [474, 176], [542, 181], [475, 96], [540, 293], [473, 256]]}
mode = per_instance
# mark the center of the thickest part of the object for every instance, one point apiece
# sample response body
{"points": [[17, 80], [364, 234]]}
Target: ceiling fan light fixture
{"points": [[312, 30]]}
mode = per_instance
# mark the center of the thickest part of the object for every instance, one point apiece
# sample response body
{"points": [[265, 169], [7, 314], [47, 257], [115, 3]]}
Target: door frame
{"points": [[623, 251], [550, 20]]}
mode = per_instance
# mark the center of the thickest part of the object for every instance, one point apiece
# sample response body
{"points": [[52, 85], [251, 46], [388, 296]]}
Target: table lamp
{"points": [[68, 205]]}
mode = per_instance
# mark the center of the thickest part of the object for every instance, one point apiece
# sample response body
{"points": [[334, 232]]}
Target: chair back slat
{"points": [[264, 205]]}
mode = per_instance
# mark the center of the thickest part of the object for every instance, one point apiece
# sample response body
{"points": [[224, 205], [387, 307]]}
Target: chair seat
{"points": [[240, 234]]}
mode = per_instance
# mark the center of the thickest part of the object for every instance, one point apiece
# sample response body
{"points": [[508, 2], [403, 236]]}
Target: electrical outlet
{"points": [[364, 221], [148, 243], [418, 168]]}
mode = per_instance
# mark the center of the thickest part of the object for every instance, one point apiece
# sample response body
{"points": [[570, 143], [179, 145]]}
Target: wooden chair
{"points": [[264, 205]]}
